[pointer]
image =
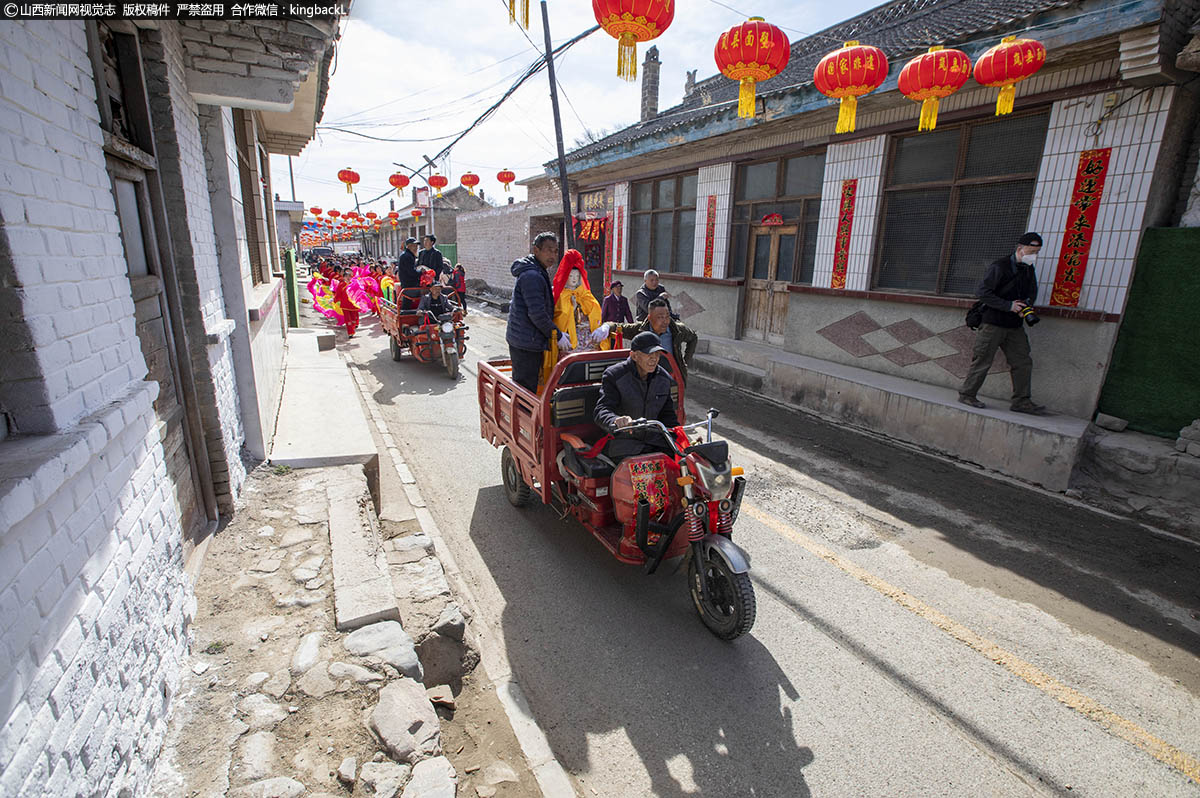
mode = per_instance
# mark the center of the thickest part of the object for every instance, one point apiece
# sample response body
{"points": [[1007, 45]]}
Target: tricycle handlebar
{"points": [[653, 423]]}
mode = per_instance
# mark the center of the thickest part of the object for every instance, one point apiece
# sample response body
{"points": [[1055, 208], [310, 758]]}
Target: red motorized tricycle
{"points": [[428, 339], [636, 507]]}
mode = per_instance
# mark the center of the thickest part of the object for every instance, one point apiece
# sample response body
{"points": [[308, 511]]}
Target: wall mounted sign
{"points": [[608, 252], [841, 243], [772, 220], [593, 205], [1081, 227], [710, 233]]}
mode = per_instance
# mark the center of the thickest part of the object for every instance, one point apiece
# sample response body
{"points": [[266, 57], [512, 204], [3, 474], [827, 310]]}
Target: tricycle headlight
{"points": [[447, 327], [715, 480]]}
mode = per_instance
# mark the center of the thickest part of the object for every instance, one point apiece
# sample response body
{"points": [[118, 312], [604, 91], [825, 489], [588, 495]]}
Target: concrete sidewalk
{"points": [[1039, 449]]}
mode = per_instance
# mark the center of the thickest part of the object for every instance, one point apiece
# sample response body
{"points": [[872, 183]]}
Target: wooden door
{"points": [[771, 259]]}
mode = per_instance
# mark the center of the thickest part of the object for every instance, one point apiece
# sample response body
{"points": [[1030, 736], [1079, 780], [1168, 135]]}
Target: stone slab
{"points": [[314, 381], [362, 586]]}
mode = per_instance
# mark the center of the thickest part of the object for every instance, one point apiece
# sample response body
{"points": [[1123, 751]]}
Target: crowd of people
{"points": [[344, 286]]}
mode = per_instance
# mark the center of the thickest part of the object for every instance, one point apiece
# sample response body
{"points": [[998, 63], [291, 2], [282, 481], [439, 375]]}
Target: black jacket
{"points": [[531, 312], [624, 393], [443, 304], [406, 270], [432, 259], [999, 290], [645, 296]]}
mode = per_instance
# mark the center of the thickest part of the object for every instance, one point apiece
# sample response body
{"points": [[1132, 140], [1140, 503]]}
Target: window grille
{"points": [[790, 187], [663, 224]]}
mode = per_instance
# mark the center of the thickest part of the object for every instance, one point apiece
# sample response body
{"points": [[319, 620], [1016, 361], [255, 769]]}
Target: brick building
{"points": [[742, 216], [142, 347]]}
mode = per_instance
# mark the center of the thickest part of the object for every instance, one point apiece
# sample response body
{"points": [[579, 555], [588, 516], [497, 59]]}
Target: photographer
{"points": [[1007, 294]]}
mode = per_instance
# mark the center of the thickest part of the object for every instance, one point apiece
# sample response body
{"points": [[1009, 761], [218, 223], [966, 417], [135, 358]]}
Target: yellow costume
{"points": [[576, 313]]}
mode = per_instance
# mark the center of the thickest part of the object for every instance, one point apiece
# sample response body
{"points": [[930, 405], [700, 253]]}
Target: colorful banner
{"points": [[1081, 226], [620, 232], [608, 249], [841, 245], [710, 233]]}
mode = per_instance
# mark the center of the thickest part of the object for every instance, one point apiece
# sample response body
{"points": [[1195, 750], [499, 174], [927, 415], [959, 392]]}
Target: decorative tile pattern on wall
{"points": [[861, 160], [1133, 130], [716, 180], [906, 343]]}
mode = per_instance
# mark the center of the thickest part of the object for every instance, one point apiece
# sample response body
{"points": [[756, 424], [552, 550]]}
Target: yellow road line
{"points": [[1115, 724]]}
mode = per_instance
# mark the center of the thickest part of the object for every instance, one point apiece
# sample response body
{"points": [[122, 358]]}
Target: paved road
{"points": [[922, 629]]}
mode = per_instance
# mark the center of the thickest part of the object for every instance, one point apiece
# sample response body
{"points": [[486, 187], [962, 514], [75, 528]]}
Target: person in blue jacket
{"points": [[531, 312]]}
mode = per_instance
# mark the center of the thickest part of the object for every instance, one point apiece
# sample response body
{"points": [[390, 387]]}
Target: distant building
{"points": [[142, 349]]}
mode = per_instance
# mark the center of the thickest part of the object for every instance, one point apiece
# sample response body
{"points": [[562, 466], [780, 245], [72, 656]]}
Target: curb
{"points": [[551, 777]]}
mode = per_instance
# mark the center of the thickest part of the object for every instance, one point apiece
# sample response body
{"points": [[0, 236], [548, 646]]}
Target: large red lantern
{"points": [[393, 215], [847, 74], [751, 52], [931, 77], [399, 182], [630, 22], [349, 177], [371, 214], [315, 211], [439, 182], [506, 176], [416, 213], [470, 180], [333, 214], [1006, 64]]}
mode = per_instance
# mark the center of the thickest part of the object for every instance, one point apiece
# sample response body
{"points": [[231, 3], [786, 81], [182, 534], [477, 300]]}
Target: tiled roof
{"points": [[900, 28]]}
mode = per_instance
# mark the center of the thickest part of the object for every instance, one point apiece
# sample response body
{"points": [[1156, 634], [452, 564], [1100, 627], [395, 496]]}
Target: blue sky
{"points": [[425, 70]]}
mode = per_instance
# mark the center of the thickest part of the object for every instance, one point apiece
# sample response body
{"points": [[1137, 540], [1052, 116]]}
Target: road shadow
{"points": [[601, 649], [407, 377], [1072, 551]]}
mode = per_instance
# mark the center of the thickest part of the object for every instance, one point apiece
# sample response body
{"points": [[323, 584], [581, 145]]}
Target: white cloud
{"points": [[419, 70]]}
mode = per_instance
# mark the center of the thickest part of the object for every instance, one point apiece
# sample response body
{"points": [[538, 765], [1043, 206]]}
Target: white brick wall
{"points": [[861, 159], [68, 329], [716, 180], [1134, 131]]}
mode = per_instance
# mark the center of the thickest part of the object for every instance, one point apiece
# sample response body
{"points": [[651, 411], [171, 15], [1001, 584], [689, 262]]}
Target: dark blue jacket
{"points": [[531, 312], [406, 270]]}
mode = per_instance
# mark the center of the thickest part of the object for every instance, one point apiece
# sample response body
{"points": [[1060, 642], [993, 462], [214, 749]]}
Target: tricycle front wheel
{"points": [[452, 365], [514, 487], [731, 607]]}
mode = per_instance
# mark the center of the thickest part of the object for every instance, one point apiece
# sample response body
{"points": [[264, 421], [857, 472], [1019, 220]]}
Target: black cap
{"points": [[646, 342], [615, 283], [1030, 240], [409, 240]]}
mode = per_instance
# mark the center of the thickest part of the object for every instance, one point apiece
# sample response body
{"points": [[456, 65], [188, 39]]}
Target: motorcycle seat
{"points": [[587, 467]]}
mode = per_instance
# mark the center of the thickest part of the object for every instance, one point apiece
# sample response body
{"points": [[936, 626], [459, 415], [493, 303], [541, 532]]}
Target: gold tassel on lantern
{"points": [[1004, 103], [746, 99], [525, 14], [929, 109], [627, 57], [512, 11], [847, 114]]}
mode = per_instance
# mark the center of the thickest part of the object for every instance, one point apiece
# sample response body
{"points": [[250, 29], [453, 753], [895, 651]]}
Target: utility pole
{"points": [[568, 222], [292, 177], [432, 215]]}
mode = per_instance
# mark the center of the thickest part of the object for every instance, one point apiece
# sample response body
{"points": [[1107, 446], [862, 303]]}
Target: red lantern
{"points": [[630, 22], [1006, 64], [470, 180], [930, 77], [371, 214], [416, 213], [393, 215], [349, 177], [751, 52], [846, 75], [399, 182], [333, 214], [351, 214], [315, 211], [505, 176], [439, 182], [394, 223]]}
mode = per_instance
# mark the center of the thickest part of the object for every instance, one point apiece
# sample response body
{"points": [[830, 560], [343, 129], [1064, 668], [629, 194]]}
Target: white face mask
{"points": [[573, 280], [1028, 259]]}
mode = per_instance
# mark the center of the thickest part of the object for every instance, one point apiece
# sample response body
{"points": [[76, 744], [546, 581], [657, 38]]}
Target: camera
{"points": [[1027, 313]]}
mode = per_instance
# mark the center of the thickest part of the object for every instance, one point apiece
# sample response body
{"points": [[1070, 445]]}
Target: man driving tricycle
{"points": [[433, 331], [604, 443]]}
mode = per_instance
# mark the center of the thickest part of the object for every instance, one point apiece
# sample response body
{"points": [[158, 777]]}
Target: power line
{"points": [[560, 86]]}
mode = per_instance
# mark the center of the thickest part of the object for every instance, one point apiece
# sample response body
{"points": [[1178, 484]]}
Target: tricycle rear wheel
{"points": [[514, 487], [729, 612], [395, 347]]}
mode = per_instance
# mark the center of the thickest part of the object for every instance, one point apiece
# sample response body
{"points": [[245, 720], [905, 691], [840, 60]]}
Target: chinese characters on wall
{"points": [[1081, 226], [841, 246]]}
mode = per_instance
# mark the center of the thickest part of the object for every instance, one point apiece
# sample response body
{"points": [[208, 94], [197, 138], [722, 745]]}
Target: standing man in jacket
{"points": [[531, 312], [675, 336], [615, 307], [649, 292], [1008, 288], [431, 257], [406, 272]]}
